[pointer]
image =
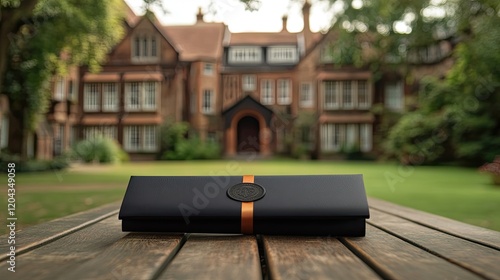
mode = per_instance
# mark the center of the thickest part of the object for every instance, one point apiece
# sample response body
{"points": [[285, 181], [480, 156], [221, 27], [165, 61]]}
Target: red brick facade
{"points": [[265, 92]]}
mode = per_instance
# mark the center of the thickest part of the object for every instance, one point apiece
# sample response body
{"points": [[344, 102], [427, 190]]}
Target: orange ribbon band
{"points": [[247, 210]]}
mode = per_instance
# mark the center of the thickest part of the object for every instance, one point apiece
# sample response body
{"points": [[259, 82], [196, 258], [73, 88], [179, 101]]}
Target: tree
{"points": [[45, 39], [11, 14], [457, 117], [379, 33]]}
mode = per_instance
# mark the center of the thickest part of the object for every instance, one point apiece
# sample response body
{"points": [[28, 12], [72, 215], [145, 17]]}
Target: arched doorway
{"points": [[248, 135]]}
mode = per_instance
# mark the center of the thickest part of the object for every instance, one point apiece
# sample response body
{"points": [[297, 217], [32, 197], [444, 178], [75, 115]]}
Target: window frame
{"points": [[366, 137], [241, 55], [87, 107], [129, 106], [207, 104], [368, 101], [138, 134], [142, 92], [146, 90], [335, 102], [145, 48], [73, 90], [309, 102], [287, 98], [389, 103], [105, 98], [269, 98], [107, 131], [335, 136], [284, 50], [208, 69], [249, 86], [351, 94], [128, 137], [146, 145], [59, 88]]}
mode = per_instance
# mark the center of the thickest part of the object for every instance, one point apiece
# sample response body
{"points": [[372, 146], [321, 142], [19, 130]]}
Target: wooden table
{"points": [[401, 243]]}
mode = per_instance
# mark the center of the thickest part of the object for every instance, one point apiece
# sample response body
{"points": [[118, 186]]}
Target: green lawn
{"points": [[459, 193]]}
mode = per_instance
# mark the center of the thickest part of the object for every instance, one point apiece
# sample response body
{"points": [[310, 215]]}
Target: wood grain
{"points": [[67, 253], [476, 234], [477, 258], [39, 235], [216, 257], [396, 259], [135, 256], [313, 258]]}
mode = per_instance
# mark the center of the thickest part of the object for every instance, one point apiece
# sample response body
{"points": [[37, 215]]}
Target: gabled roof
{"points": [[263, 38], [156, 24], [318, 40], [246, 103], [197, 42], [130, 17]]}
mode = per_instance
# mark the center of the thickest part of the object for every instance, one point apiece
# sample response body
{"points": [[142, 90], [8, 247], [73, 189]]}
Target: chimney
{"points": [[306, 32], [306, 15], [199, 16], [285, 19]]}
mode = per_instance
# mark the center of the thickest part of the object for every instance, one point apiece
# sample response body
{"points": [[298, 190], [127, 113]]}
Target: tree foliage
{"points": [[178, 144], [46, 41], [458, 117], [370, 31], [43, 38]]}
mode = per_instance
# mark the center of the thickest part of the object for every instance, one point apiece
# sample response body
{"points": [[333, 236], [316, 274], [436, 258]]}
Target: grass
{"points": [[458, 193]]}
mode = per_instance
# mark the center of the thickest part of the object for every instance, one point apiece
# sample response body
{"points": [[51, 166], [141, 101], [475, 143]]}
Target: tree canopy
{"points": [[458, 116], [45, 39], [391, 28]]}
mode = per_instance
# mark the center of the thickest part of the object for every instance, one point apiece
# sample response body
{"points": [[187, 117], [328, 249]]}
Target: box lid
{"points": [[205, 197]]}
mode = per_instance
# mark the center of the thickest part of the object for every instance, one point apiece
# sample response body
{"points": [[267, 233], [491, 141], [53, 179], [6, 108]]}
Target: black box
{"points": [[333, 205]]}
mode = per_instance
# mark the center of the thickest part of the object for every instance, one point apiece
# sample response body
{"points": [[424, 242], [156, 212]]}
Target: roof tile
{"points": [[197, 42], [262, 38]]}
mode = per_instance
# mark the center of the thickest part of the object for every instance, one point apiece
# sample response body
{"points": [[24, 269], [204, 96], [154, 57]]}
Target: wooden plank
{"points": [[135, 256], [313, 258], [41, 234], [67, 253], [396, 259], [476, 234], [474, 257], [216, 257]]}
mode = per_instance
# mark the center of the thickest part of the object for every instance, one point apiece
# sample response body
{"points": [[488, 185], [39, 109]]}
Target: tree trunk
{"points": [[9, 18], [16, 133]]}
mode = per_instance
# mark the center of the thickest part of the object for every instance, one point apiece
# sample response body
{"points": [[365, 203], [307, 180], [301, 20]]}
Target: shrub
{"points": [[172, 134], [57, 163], [352, 152], [300, 151], [176, 145], [193, 148], [419, 139], [99, 149]]}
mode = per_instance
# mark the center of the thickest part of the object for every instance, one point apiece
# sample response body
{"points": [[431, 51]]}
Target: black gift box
{"points": [[333, 205]]}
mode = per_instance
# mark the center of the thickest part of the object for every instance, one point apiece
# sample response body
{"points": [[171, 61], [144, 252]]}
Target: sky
{"points": [[268, 18]]}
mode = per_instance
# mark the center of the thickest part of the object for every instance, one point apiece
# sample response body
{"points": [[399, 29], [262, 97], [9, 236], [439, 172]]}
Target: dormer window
{"points": [[282, 54], [144, 48], [245, 55]]}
